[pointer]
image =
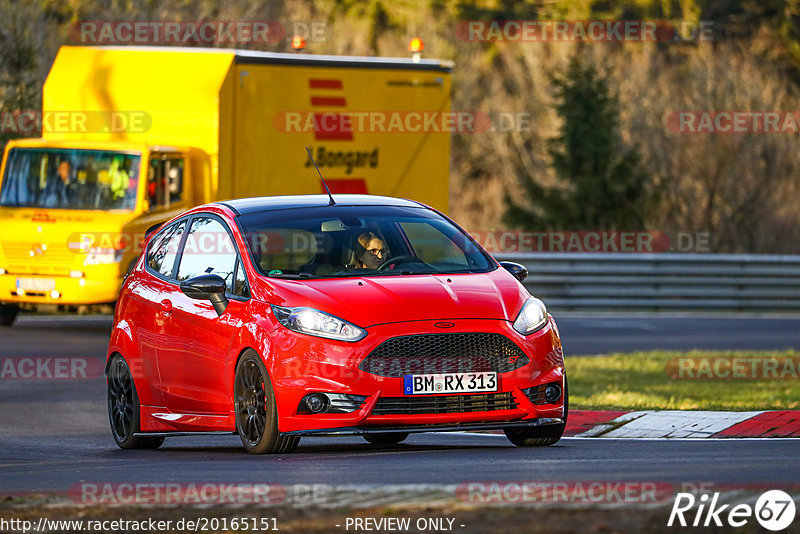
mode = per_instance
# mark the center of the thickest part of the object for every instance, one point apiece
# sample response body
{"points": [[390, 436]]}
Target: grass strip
{"points": [[695, 380]]}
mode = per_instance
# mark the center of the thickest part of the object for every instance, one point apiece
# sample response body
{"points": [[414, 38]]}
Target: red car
{"points": [[282, 317]]}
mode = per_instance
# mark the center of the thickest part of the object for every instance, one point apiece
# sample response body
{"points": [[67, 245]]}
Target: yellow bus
{"points": [[134, 135]]}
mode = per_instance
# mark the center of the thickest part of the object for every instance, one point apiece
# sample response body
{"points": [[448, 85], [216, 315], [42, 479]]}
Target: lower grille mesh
{"points": [[444, 404]]}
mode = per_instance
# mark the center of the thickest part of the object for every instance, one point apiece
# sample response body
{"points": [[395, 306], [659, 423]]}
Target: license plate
{"points": [[449, 383], [36, 284]]}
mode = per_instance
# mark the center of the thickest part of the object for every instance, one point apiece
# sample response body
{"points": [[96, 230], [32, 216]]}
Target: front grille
{"points": [[444, 353], [52, 260], [444, 404]]}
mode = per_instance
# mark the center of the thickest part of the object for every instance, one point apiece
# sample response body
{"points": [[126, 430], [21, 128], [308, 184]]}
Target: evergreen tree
{"points": [[603, 185]]}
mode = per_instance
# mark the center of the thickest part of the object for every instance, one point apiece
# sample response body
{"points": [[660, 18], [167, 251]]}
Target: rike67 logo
{"points": [[774, 510]]}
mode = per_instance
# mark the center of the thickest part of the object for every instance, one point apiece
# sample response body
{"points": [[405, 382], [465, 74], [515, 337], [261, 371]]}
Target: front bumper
{"points": [[71, 291], [462, 427], [303, 364]]}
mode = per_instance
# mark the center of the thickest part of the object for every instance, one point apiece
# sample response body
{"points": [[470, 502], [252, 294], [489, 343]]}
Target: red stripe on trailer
{"points": [[316, 83], [345, 186]]}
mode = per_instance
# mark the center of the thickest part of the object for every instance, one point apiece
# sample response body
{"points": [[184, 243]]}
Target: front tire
{"points": [[8, 314], [255, 409], [386, 438], [123, 408], [540, 436]]}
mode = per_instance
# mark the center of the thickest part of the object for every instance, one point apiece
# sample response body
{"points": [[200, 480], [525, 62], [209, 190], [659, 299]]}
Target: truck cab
{"points": [[74, 215]]}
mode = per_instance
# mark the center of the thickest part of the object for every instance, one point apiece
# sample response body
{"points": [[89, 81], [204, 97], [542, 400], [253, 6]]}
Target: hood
{"points": [[377, 300]]}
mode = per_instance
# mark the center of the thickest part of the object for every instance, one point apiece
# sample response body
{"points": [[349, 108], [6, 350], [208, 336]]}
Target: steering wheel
{"points": [[398, 260]]}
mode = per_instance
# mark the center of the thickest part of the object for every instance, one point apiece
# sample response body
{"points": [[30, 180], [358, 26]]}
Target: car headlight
{"points": [[532, 317], [316, 323]]}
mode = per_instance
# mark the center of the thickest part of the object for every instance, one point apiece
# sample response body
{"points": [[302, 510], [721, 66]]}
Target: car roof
{"points": [[243, 206]]}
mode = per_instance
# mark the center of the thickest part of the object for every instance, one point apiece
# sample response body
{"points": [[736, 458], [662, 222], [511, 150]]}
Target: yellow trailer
{"points": [[132, 136]]}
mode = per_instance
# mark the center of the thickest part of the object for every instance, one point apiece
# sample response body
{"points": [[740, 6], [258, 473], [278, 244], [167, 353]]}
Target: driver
{"points": [[60, 190], [373, 253]]}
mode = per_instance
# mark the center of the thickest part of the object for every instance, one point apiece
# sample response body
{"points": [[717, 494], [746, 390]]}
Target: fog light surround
{"points": [[316, 402], [549, 393], [55, 294], [2, 271], [552, 392]]}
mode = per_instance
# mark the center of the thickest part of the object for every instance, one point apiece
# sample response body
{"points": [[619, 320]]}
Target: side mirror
{"points": [[517, 271], [207, 287]]}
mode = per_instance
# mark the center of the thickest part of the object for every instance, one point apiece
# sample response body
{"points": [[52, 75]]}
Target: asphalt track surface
{"points": [[54, 433]]}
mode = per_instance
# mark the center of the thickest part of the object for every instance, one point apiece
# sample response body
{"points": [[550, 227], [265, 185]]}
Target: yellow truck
{"points": [[134, 135]]}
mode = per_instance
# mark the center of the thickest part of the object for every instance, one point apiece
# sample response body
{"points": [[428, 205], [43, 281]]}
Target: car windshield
{"points": [[341, 241], [70, 179]]}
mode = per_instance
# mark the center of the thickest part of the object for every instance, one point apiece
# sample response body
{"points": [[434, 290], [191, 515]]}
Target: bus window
{"points": [[165, 181], [67, 178]]}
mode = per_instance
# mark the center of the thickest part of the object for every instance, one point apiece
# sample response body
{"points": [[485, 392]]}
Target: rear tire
{"points": [[386, 438], [255, 409], [540, 436], [8, 313], [123, 408]]}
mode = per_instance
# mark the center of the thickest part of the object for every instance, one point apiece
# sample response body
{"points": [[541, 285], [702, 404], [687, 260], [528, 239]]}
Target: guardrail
{"points": [[662, 282]]}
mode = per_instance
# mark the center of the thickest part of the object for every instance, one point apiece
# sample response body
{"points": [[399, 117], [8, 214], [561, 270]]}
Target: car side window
{"points": [[240, 287], [209, 249], [164, 249]]}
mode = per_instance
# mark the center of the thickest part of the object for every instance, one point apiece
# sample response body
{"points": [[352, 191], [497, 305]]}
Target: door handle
{"points": [[166, 306]]}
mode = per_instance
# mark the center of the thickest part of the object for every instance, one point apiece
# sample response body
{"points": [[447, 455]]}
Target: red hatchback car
{"points": [[283, 317]]}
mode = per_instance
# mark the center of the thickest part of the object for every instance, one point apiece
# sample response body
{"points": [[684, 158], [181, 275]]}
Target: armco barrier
{"points": [[663, 282]]}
